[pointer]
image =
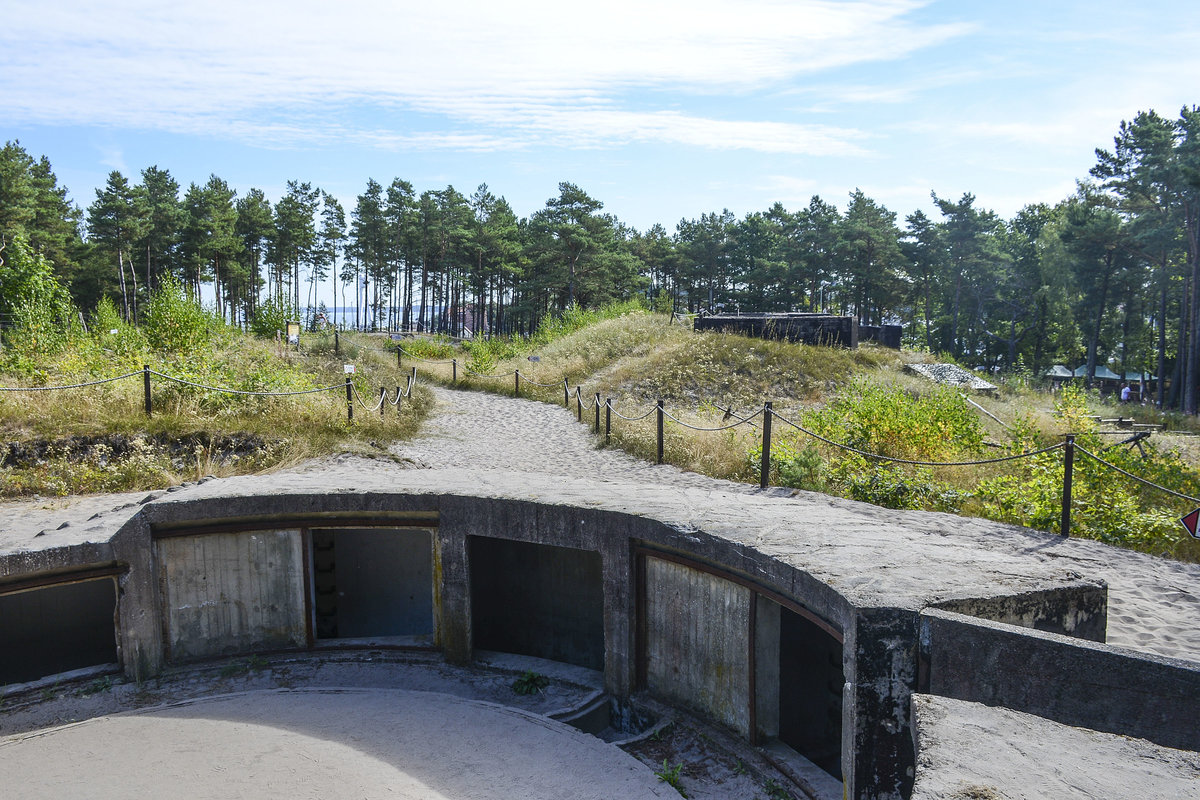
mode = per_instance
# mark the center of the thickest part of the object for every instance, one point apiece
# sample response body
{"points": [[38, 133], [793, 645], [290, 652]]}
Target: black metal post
{"points": [[607, 419], [146, 381], [517, 383], [765, 472], [336, 344], [454, 370], [349, 400], [579, 403], [399, 400], [596, 428], [412, 381], [566, 394], [1068, 470], [382, 400], [660, 431]]}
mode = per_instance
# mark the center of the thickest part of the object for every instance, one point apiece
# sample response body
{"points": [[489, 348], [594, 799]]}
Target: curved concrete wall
{"points": [[699, 617]]}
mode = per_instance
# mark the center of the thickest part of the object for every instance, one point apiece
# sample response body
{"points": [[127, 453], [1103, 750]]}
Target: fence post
{"points": [[517, 383], [349, 400], [607, 419], [1068, 470], [146, 381], [660, 431], [579, 403], [454, 370], [399, 400], [412, 381], [566, 394], [336, 343], [765, 473], [398, 357], [596, 428], [382, 400]]}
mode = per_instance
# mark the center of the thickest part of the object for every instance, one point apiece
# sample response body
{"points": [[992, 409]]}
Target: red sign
{"points": [[1191, 522]]}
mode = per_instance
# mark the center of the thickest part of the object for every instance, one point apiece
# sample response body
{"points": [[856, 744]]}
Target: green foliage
{"points": [[800, 467], [272, 316], [894, 486], [884, 419], [174, 322], [530, 682], [670, 775], [437, 348], [115, 336], [44, 321]]}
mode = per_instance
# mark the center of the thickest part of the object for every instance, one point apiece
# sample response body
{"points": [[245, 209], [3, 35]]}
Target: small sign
{"points": [[1192, 522], [114, 331], [348, 369], [535, 358], [293, 333]]}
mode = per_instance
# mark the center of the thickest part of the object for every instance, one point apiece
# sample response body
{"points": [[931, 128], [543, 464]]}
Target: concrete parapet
{"points": [[1065, 679]]}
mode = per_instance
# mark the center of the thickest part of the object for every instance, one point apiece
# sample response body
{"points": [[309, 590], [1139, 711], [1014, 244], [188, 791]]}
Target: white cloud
{"points": [[546, 70]]}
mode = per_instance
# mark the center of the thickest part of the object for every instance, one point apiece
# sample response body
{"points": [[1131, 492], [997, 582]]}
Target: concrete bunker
{"points": [[537, 600], [47, 628]]}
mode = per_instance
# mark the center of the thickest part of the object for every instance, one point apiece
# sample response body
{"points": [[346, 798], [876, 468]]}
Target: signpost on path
{"points": [[1191, 521]]}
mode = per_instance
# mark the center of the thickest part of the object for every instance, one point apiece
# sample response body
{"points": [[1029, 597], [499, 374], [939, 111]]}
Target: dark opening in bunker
{"points": [[810, 691], [537, 600], [373, 584], [56, 629]]}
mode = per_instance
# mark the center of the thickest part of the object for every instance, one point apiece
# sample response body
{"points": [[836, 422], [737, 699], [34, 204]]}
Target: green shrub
{"points": [[272, 316], [176, 323], [884, 419]]}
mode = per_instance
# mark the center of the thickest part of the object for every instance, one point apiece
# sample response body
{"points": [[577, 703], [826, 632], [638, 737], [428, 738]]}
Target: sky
{"points": [[661, 110]]}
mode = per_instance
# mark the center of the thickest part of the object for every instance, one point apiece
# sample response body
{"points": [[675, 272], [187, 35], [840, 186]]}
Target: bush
{"points": [[272, 316], [174, 322]]}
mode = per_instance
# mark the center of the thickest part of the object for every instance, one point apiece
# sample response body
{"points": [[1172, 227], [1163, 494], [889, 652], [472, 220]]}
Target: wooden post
{"points": [[1068, 470], [412, 381], [382, 400], [579, 403], [146, 382], [454, 370], [517, 383], [336, 343], [596, 427], [765, 468], [349, 400], [566, 394], [398, 354], [607, 419], [399, 400], [660, 431]]}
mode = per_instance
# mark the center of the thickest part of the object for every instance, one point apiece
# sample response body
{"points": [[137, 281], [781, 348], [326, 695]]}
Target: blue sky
{"points": [[661, 110]]}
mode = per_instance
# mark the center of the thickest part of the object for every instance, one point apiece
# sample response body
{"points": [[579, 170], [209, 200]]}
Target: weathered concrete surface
{"points": [[968, 751], [1061, 678], [323, 743], [697, 637]]}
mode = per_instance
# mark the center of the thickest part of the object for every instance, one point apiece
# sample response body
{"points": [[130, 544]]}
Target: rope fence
{"points": [[768, 414], [146, 372], [389, 398]]}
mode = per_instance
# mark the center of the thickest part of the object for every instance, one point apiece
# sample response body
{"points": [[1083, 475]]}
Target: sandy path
{"points": [[477, 430]]}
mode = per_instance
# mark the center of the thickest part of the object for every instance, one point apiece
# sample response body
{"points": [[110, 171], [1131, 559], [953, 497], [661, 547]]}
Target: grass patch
{"points": [[98, 438]]}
